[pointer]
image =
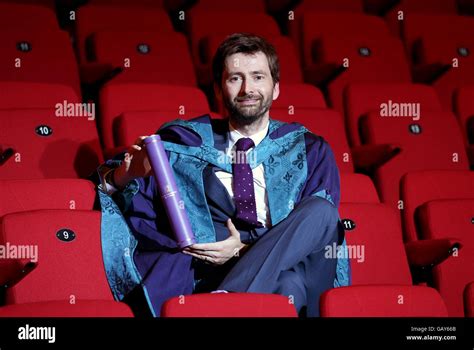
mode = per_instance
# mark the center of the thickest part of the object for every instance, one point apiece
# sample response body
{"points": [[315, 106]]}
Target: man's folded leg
{"points": [[291, 256]]}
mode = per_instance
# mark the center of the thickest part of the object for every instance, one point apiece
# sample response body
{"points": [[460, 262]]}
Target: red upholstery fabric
{"points": [[421, 187], [229, 305], [377, 231], [27, 16], [433, 148], [382, 301], [357, 188], [50, 58], [19, 95], [25, 195], [96, 18], [81, 308], [116, 99], [71, 150], [65, 270], [451, 218], [360, 99], [464, 107], [167, 62]]}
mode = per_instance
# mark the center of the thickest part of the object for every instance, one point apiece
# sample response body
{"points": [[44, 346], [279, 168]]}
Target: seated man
{"points": [[261, 196]]}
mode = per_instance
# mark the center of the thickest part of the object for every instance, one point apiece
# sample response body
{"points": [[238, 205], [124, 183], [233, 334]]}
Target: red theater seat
{"points": [[308, 27], [131, 125], [28, 17], [381, 279], [26, 195], [43, 145], [200, 26], [433, 142], [96, 18], [441, 47], [382, 301], [38, 56], [145, 57], [69, 255], [418, 188], [451, 219], [361, 99], [81, 308], [357, 188], [116, 99], [413, 7], [26, 95], [325, 123], [229, 305]]}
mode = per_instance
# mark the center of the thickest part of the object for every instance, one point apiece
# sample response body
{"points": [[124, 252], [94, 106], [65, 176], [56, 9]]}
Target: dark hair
{"points": [[247, 44]]}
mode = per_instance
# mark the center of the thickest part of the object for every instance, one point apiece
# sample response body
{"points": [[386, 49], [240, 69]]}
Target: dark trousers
{"points": [[289, 259]]}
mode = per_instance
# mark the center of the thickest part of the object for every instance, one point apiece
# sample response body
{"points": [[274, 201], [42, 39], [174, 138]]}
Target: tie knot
{"points": [[244, 144]]}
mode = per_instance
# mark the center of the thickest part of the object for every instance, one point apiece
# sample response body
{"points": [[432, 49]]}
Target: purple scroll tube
{"points": [[169, 193]]}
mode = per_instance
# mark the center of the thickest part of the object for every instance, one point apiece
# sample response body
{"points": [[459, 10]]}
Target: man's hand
{"points": [[218, 253], [135, 164]]}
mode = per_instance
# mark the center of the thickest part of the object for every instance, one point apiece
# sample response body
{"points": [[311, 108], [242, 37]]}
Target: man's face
{"points": [[247, 87]]}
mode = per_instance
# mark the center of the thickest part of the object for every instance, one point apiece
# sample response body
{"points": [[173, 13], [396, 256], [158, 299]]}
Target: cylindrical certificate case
{"points": [[169, 193]]}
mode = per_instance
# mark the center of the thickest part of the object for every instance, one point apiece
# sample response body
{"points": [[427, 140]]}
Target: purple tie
{"points": [[244, 194]]}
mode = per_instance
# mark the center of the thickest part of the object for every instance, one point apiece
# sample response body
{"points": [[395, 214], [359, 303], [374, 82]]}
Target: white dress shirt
{"points": [[261, 199]]}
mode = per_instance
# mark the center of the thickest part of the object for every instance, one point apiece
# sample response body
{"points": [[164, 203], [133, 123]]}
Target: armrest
{"points": [[367, 158], [92, 73], [431, 252], [13, 271]]}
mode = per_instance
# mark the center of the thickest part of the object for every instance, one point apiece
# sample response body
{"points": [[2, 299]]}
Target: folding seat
{"points": [[464, 108], [144, 56], [440, 46], [381, 279], [116, 99], [26, 95], [308, 27], [27, 17], [360, 99], [201, 25], [47, 143], [91, 19], [26, 195], [81, 308], [434, 142], [369, 60], [325, 123], [418, 188], [453, 218], [357, 188], [65, 250], [229, 305], [38, 56], [232, 6], [131, 125], [382, 301], [411, 7]]}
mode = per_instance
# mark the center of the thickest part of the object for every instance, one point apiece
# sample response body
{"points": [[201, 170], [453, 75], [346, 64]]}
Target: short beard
{"points": [[247, 119]]}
